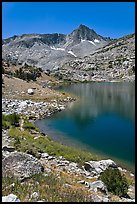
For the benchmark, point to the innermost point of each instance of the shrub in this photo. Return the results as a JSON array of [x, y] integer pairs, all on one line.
[[5, 124], [8, 120], [14, 119], [115, 182]]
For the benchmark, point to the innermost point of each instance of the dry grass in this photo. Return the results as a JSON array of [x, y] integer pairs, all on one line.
[[50, 188], [15, 88]]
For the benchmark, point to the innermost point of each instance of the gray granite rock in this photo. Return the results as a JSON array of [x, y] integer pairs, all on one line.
[[34, 195], [97, 185], [21, 165], [10, 198], [97, 198], [99, 166]]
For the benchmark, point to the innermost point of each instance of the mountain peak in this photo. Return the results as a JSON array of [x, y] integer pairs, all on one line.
[[81, 26], [84, 33]]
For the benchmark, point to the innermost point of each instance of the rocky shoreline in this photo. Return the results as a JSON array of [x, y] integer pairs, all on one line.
[[34, 110]]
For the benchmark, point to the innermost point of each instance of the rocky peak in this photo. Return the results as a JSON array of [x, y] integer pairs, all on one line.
[[85, 33]]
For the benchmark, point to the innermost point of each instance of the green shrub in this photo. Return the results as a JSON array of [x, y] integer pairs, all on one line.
[[115, 182], [8, 120], [30, 126], [14, 119], [5, 124]]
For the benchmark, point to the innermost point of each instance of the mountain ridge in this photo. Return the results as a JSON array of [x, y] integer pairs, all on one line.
[[55, 52]]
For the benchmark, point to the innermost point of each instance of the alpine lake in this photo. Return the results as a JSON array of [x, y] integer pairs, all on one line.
[[101, 120]]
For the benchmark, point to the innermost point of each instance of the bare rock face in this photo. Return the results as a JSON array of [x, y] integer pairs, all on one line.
[[98, 167], [21, 165], [10, 198]]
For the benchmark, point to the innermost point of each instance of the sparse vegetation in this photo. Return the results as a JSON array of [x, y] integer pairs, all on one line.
[[28, 73], [50, 188]]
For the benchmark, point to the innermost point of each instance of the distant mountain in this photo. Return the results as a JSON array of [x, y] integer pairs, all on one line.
[[83, 33], [50, 51]]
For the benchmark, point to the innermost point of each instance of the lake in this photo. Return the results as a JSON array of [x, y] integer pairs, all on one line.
[[101, 120]]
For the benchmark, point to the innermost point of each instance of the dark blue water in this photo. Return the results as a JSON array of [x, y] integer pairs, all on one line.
[[102, 120]]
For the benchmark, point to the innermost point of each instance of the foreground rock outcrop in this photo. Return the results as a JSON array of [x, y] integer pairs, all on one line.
[[21, 165]]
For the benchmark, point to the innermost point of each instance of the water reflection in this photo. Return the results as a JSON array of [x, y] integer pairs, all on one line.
[[98, 98]]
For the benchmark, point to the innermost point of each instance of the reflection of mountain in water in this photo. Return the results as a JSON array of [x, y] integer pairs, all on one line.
[[102, 98]]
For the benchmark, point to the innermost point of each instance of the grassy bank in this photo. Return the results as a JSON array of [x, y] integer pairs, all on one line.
[[34, 144]]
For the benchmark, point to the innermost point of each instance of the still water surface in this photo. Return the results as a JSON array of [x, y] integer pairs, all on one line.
[[102, 120]]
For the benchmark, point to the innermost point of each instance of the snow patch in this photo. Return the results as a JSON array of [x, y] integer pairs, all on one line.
[[54, 48], [96, 41], [83, 40], [70, 52], [91, 42]]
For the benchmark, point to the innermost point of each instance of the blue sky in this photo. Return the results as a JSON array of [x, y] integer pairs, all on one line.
[[109, 19]]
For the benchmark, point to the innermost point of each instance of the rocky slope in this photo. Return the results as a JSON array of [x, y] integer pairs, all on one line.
[[49, 51], [113, 62]]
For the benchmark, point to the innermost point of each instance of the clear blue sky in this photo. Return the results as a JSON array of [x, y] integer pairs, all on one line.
[[109, 19]]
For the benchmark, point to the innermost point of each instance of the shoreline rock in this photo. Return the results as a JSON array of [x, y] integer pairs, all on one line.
[[34, 110]]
